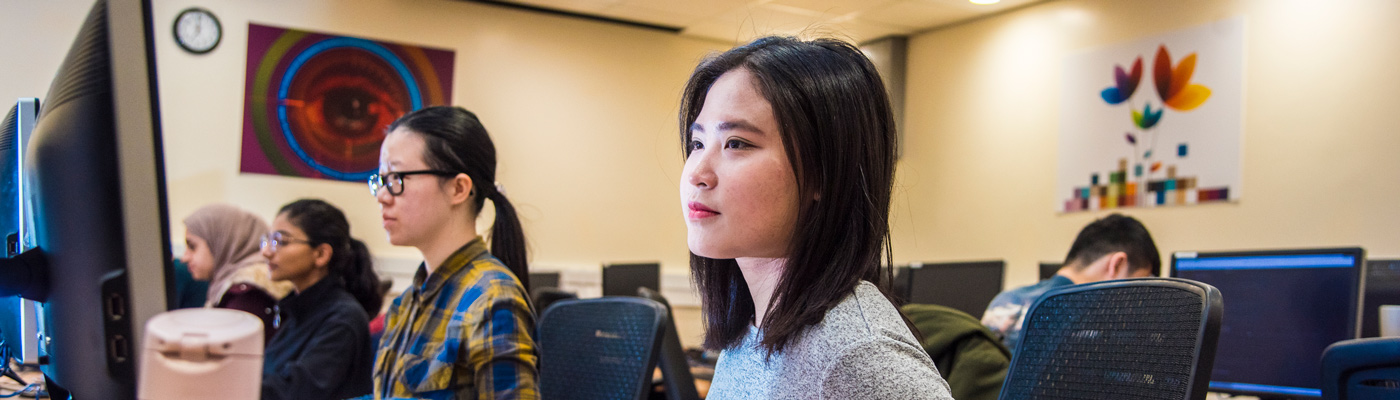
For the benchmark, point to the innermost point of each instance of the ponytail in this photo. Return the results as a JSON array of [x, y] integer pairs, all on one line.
[[508, 237], [356, 271], [455, 140], [350, 262]]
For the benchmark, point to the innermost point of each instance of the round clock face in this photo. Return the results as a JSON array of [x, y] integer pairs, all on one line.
[[197, 31]]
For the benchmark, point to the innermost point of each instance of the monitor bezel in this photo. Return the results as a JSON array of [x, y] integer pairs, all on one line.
[[1358, 269]]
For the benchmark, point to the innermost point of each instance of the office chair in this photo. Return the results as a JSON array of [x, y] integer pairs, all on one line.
[[675, 370], [1130, 338], [1361, 369], [603, 348]]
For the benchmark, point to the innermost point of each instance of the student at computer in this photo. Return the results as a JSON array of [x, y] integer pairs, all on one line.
[[1114, 247], [221, 247], [322, 349], [464, 328], [789, 162]]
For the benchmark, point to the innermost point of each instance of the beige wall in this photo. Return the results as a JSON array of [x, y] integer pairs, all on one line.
[[1320, 163], [582, 114]]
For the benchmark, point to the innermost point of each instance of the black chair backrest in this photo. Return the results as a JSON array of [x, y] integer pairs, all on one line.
[[603, 348], [1362, 369], [675, 370], [1131, 338]]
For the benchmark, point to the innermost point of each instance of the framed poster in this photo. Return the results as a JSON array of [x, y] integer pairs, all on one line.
[[316, 105], [1155, 122]]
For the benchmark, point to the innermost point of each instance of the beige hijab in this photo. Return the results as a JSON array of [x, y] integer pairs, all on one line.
[[233, 237]]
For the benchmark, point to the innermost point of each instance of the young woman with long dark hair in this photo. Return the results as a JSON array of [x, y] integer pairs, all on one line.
[[464, 328], [322, 348], [789, 165]]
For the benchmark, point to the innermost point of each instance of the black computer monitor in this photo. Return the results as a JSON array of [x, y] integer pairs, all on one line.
[[1048, 269], [543, 280], [94, 169], [900, 284], [966, 286], [1382, 287], [18, 316], [624, 279], [1282, 309]]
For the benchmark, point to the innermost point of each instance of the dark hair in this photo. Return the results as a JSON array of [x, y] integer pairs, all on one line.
[[350, 259], [838, 132], [1114, 233], [456, 141]]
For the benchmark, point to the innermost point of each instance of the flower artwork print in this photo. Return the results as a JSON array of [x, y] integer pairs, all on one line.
[[1165, 130], [316, 105]]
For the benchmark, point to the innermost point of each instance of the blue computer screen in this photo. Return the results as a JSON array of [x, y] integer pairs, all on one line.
[[1281, 311]]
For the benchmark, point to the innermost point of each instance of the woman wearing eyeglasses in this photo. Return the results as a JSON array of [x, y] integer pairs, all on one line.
[[463, 328], [322, 349], [221, 247]]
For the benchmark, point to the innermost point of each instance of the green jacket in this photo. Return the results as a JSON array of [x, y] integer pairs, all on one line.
[[968, 356]]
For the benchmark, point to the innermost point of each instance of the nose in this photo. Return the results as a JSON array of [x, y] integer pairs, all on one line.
[[699, 170], [267, 252], [383, 197]]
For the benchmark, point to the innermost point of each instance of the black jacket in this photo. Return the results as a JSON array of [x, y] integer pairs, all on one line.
[[322, 348]]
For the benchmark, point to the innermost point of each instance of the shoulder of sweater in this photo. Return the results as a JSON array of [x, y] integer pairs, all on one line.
[[864, 316]]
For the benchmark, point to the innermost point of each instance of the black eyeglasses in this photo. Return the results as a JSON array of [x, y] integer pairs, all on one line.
[[394, 180], [277, 239]]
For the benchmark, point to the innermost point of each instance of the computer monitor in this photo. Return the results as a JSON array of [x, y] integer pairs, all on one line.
[[1282, 309], [94, 170], [543, 280], [624, 279], [1049, 269], [18, 316], [900, 284], [966, 286], [1382, 287]]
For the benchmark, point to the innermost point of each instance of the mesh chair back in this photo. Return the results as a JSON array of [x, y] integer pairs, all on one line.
[[1148, 338], [675, 369], [603, 348], [1362, 369]]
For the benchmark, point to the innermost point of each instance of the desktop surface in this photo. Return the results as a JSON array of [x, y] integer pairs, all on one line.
[[1283, 309]]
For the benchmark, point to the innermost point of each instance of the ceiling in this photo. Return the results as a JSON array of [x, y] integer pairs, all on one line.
[[741, 20]]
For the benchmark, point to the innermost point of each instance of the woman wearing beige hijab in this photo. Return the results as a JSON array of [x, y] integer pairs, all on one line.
[[222, 246]]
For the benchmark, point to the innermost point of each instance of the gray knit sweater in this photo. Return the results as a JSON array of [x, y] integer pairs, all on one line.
[[860, 350]]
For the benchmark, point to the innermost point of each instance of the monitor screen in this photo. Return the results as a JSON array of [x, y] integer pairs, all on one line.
[[1049, 269], [540, 280], [1382, 288], [1282, 309], [965, 286], [900, 285], [624, 279]]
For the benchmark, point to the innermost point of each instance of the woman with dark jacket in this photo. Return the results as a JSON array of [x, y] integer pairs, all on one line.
[[322, 349]]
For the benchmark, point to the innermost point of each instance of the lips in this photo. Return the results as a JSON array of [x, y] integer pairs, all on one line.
[[697, 211]]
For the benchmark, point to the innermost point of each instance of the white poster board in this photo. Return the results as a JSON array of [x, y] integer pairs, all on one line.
[[1124, 144]]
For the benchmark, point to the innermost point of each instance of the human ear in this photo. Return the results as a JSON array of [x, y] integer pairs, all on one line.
[[462, 189], [322, 254], [1117, 267]]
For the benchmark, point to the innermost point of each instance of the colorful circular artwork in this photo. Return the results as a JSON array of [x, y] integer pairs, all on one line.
[[319, 104]]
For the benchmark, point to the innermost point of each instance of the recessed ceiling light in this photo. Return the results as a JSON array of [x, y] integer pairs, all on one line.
[[984, 1]]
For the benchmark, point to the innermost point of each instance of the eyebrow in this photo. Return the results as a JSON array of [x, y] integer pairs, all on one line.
[[733, 125]]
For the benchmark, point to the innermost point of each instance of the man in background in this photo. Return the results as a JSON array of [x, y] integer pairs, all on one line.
[[1114, 247]]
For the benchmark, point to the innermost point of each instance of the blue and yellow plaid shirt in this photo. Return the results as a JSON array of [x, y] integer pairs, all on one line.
[[463, 332]]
